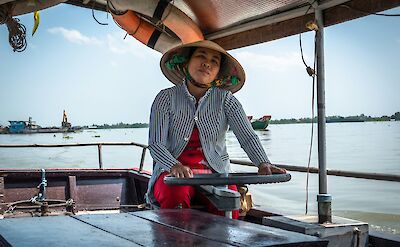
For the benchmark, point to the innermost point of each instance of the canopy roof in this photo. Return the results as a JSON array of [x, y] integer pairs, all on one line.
[[239, 23]]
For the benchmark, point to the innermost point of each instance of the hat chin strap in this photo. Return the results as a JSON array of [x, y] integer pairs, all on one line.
[[190, 79], [200, 85]]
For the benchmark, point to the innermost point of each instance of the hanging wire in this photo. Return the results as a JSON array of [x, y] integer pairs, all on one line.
[[94, 17], [310, 72], [312, 121], [113, 10], [17, 34], [369, 13], [16, 30]]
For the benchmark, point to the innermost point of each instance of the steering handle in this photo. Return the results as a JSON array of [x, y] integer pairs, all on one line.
[[228, 179]]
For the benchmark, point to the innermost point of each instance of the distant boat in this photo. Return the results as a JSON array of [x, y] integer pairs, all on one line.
[[30, 127], [344, 120], [261, 123]]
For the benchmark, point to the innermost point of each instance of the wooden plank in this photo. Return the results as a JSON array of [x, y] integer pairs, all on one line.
[[25, 189], [332, 16], [79, 172], [72, 191], [148, 228], [145, 232], [89, 191], [234, 232], [72, 188], [55, 231], [104, 193]]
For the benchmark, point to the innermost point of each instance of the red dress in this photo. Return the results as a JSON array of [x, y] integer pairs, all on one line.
[[170, 196]]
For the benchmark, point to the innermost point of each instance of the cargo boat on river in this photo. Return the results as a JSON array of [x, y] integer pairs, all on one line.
[[30, 127]]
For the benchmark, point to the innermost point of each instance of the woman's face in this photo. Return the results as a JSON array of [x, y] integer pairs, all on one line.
[[204, 65]]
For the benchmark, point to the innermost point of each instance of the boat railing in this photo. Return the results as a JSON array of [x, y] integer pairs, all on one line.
[[98, 144], [340, 173]]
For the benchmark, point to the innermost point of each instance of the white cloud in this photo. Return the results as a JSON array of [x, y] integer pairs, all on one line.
[[113, 64], [117, 44], [75, 36], [270, 62], [113, 42]]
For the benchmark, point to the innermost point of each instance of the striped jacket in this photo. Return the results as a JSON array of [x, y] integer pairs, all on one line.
[[173, 116]]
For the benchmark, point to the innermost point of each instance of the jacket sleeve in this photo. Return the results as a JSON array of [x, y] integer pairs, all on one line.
[[243, 130], [158, 131]]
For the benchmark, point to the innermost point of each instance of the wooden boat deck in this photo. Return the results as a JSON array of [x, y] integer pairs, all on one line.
[[121, 190], [172, 227]]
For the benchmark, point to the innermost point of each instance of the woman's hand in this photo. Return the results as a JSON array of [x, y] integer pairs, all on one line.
[[181, 171], [268, 169]]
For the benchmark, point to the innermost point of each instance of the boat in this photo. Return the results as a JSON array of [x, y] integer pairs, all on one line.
[[22, 127], [344, 120], [30, 127], [261, 123], [106, 207]]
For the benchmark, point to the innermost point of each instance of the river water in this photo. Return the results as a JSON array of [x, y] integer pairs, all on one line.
[[365, 147]]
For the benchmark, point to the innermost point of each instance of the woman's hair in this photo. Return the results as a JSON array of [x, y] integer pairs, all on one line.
[[191, 51]]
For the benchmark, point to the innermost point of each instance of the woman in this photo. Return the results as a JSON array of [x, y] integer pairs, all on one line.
[[188, 122]]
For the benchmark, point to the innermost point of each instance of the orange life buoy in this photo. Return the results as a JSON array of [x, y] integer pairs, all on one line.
[[172, 17], [145, 32]]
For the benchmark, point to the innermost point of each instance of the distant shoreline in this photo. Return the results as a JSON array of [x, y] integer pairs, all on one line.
[[117, 126], [340, 119], [329, 119], [280, 121]]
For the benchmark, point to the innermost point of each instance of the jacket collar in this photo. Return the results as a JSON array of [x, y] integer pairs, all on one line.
[[183, 87]]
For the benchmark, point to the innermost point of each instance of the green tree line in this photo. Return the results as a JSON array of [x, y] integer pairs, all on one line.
[[120, 125], [335, 119]]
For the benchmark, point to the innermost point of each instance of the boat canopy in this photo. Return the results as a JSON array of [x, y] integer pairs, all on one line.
[[234, 23]]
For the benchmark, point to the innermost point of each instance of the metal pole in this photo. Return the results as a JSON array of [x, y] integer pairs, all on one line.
[[100, 157], [323, 198], [142, 159]]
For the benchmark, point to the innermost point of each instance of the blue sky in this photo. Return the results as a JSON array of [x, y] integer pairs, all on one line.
[[75, 64]]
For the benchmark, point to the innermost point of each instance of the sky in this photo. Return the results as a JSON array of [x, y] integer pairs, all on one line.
[[72, 63]]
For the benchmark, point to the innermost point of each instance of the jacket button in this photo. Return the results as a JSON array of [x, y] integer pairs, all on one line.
[[186, 139], [196, 118]]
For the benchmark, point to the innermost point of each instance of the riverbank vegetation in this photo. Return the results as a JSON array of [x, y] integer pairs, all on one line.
[[118, 126], [338, 119], [329, 119]]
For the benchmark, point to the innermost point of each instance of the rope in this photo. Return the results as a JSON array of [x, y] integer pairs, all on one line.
[[312, 122], [17, 34], [310, 72], [16, 31], [37, 204]]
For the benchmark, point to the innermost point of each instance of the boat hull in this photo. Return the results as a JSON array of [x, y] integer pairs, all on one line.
[[260, 125], [120, 190]]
